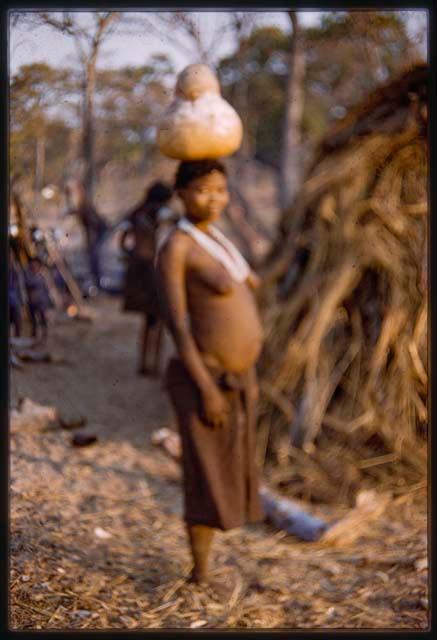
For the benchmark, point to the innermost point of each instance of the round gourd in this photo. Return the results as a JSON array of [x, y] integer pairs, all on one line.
[[195, 80], [199, 124]]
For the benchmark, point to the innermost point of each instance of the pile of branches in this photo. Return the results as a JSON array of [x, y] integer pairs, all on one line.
[[346, 348]]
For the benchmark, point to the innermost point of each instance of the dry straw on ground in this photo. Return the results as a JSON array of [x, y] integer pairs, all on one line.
[[97, 542]]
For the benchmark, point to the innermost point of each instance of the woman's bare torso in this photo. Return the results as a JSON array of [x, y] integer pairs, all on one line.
[[144, 244], [143, 232], [223, 315]]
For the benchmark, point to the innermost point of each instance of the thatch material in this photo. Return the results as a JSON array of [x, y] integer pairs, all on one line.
[[347, 341]]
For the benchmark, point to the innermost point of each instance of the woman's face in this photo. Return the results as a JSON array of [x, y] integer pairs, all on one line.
[[205, 198]]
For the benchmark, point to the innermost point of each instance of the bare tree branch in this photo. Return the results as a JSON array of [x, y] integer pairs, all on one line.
[[87, 41], [291, 167]]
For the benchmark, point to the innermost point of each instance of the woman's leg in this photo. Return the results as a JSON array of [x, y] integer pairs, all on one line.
[[184, 397], [150, 344], [200, 541], [94, 261], [43, 324], [157, 341], [32, 318], [15, 319], [144, 340]]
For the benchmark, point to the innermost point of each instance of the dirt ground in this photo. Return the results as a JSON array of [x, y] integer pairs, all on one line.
[[97, 540]]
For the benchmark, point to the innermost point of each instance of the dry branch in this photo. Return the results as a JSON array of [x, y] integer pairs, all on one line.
[[346, 336]]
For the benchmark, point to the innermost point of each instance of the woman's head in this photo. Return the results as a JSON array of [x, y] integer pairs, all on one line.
[[203, 188], [35, 264], [159, 193], [156, 196]]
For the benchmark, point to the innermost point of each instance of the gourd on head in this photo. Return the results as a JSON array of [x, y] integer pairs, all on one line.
[[199, 124], [195, 80]]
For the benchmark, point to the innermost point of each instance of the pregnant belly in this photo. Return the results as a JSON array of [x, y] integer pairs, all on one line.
[[228, 331]]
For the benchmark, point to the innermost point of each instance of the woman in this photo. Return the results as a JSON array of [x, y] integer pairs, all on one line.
[[140, 284], [205, 288]]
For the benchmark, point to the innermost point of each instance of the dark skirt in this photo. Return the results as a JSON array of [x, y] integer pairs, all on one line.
[[140, 289], [219, 468]]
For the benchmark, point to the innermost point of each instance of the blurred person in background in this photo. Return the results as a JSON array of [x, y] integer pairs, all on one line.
[[15, 294], [93, 223], [38, 297], [138, 242]]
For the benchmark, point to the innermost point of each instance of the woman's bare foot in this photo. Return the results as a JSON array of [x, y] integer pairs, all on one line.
[[197, 578], [223, 583]]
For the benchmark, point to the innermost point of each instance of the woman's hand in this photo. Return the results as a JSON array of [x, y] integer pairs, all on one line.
[[253, 280], [216, 408], [253, 390]]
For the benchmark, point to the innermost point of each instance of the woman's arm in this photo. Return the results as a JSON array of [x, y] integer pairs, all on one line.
[[123, 239], [171, 270]]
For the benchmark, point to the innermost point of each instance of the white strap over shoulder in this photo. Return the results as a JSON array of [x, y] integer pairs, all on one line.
[[218, 247]]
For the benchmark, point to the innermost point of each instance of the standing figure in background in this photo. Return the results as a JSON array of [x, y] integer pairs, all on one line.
[[94, 225], [62, 288], [15, 294], [140, 292], [206, 290], [20, 235], [38, 297]]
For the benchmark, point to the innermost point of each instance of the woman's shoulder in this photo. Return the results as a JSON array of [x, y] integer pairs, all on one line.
[[176, 244], [178, 238]]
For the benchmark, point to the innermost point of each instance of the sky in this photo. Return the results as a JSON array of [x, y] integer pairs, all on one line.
[[44, 45]]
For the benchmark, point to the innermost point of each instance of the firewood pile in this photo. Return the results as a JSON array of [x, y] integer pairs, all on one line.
[[345, 363]]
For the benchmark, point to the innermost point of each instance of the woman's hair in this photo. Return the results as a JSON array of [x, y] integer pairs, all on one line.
[[189, 171], [158, 192], [155, 197]]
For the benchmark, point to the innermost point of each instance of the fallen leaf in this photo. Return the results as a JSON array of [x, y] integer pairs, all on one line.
[[83, 439], [331, 613], [421, 564], [82, 613], [198, 623], [102, 534]]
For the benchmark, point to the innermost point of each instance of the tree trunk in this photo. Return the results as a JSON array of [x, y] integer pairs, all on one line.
[[88, 128], [146, 152], [245, 155], [241, 102], [40, 152], [291, 156]]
